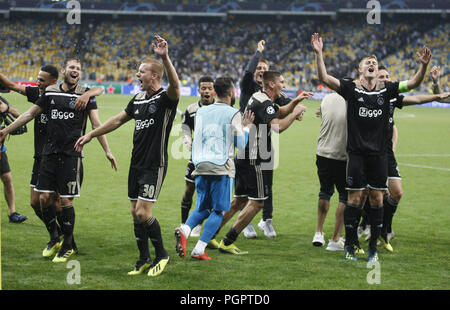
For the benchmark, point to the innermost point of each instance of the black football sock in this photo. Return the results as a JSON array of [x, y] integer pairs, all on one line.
[[38, 212], [376, 223], [142, 240], [59, 221], [230, 237], [387, 214], [49, 217], [68, 224], [393, 205], [154, 233], [185, 207], [267, 212], [365, 214], [352, 214]]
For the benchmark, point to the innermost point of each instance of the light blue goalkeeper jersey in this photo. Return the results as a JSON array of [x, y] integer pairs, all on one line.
[[218, 128]]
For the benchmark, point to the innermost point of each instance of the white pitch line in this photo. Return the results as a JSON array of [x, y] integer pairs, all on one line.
[[422, 155], [426, 167]]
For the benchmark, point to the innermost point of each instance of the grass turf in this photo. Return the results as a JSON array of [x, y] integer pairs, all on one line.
[[104, 230]]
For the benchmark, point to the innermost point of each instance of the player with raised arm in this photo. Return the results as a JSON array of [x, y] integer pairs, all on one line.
[[368, 111], [254, 170], [61, 169], [252, 82], [47, 76], [154, 110], [395, 192]]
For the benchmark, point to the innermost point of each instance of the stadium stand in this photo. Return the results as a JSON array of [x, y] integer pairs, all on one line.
[[111, 49]]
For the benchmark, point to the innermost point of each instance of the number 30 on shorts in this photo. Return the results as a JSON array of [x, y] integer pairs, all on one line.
[[149, 190]]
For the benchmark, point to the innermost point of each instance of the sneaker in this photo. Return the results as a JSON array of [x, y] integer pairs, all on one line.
[[232, 249], [63, 255], [141, 266], [373, 256], [181, 242], [319, 239], [334, 246], [51, 249], [349, 254], [384, 241], [213, 244], [196, 231], [342, 241], [390, 236], [17, 218], [250, 232], [261, 225], [269, 232], [358, 249], [203, 256], [158, 266]]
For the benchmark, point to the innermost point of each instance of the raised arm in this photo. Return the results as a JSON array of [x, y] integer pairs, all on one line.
[[11, 85], [330, 81], [424, 58], [162, 50], [252, 64]]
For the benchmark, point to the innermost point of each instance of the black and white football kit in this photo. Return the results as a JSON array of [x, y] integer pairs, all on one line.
[[153, 116], [40, 132], [254, 167], [61, 168], [368, 113]]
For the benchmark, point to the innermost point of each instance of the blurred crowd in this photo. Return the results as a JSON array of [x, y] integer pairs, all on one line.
[[111, 50]]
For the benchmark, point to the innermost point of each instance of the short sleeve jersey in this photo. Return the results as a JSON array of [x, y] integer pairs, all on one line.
[[65, 124], [153, 116], [259, 147], [40, 122], [368, 113]]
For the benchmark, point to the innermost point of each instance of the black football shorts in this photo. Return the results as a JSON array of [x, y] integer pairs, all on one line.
[[366, 171], [59, 173], [145, 184], [331, 174], [252, 182]]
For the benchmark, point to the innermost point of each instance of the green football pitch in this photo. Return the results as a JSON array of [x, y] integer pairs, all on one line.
[[107, 247]]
